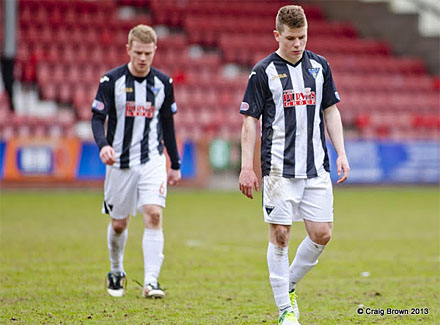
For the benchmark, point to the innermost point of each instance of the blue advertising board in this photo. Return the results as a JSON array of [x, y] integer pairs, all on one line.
[[371, 161], [376, 162]]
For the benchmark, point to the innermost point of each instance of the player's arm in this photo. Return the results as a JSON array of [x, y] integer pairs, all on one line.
[[106, 152], [333, 124], [169, 139], [251, 108], [168, 110], [100, 109], [248, 180]]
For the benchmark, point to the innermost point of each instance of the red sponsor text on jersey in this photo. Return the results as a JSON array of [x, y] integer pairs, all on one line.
[[292, 99], [131, 109]]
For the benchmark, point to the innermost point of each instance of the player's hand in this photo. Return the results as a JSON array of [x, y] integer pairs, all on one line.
[[247, 182], [174, 176], [107, 155], [343, 166]]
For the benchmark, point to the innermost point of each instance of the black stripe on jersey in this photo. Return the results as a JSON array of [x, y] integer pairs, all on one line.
[[289, 123], [160, 136], [151, 99], [111, 124], [310, 82], [267, 135], [326, 163], [129, 121]]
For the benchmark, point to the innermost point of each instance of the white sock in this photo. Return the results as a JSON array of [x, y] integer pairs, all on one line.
[[116, 244], [152, 245], [305, 259], [278, 263]]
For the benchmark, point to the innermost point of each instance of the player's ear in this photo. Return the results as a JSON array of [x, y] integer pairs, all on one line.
[[127, 47], [276, 34]]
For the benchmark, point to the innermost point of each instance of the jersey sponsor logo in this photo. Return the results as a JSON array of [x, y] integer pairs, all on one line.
[[292, 98], [279, 76], [314, 72], [269, 209], [252, 73], [244, 107], [104, 79], [131, 109], [98, 105]]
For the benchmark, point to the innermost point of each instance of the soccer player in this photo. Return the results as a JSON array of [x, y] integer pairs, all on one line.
[[293, 91], [138, 101]]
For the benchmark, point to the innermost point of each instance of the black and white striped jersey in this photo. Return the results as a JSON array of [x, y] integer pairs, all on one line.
[[135, 108], [291, 99]]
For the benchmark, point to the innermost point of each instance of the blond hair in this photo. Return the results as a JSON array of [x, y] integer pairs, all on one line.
[[292, 16], [142, 33]]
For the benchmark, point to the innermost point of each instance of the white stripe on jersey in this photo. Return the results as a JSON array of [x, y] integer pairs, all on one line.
[[140, 92], [120, 101], [317, 145], [301, 123], [278, 125]]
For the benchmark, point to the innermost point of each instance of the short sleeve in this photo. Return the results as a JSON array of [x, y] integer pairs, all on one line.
[[169, 106], [104, 97], [254, 97], [330, 95]]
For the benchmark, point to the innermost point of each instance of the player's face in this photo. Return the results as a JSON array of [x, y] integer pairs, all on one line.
[[292, 43], [141, 57]]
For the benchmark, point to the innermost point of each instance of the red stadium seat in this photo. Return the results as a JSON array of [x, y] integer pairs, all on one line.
[[66, 46]]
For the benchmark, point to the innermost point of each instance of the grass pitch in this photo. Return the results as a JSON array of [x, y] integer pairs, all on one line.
[[53, 261]]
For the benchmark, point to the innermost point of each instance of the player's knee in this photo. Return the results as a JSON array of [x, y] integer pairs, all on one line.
[[154, 219], [321, 237], [282, 236], [119, 225]]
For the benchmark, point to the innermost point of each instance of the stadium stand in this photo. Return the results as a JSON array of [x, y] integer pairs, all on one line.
[[65, 46]]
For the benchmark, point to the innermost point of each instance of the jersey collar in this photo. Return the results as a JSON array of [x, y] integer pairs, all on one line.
[[290, 63]]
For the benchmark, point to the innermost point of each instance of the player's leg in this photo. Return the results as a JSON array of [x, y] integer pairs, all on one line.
[[152, 191], [316, 208], [152, 246], [308, 252], [119, 191], [279, 202], [116, 239], [278, 264]]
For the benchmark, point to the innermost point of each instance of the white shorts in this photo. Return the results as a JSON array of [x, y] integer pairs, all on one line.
[[127, 190], [294, 199]]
